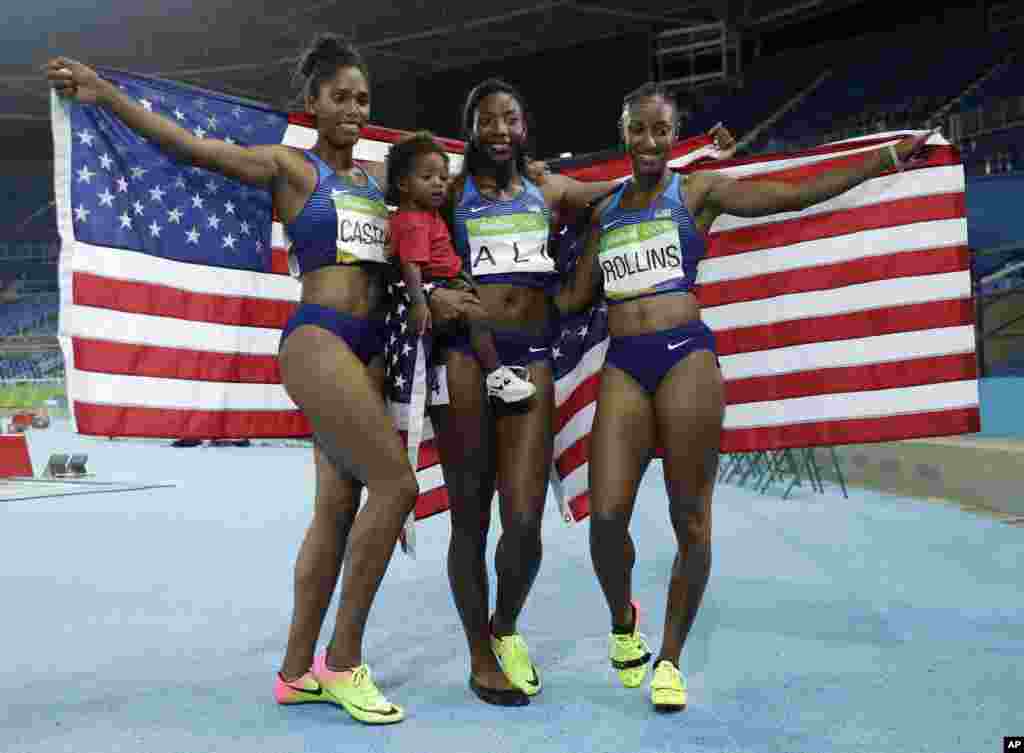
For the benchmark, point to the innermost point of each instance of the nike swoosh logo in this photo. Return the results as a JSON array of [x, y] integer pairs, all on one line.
[[474, 210], [679, 344], [537, 350], [389, 712], [610, 224], [318, 691]]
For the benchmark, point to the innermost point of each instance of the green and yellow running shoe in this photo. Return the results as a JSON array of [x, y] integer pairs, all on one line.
[[629, 653], [514, 658], [354, 691], [668, 687]]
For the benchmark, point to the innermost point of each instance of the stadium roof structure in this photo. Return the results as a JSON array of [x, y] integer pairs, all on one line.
[[249, 47]]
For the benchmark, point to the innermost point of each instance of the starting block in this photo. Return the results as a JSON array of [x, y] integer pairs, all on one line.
[[61, 465]]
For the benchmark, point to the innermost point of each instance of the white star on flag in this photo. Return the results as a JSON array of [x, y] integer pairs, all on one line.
[[126, 221], [193, 235], [106, 161], [106, 198], [81, 213], [174, 216], [85, 175]]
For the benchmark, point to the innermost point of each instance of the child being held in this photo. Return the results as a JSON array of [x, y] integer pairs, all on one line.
[[417, 170]]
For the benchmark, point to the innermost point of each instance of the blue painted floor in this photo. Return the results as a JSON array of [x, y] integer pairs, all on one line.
[[154, 621]]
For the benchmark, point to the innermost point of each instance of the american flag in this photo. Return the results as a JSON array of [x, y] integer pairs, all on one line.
[[174, 280], [849, 322]]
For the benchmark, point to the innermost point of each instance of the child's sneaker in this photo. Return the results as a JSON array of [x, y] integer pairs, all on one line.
[[505, 383]]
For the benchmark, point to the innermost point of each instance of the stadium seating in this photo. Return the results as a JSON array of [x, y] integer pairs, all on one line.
[[889, 81]]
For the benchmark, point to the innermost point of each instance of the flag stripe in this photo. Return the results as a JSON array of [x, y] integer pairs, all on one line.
[[161, 331], [173, 302], [910, 263], [868, 296], [120, 264], [930, 370], [878, 321], [883, 219], [848, 405], [173, 363], [181, 394], [938, 423], [118, 419], [849, 352], [583, 395], [925, 183]]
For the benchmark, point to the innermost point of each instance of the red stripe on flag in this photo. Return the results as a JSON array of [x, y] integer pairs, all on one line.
[[579, 506], [432, 502], [908, 373], [948, 206], [279, 261], [880, 321], [172, 423], [585, 394], [854, 431], [173, 363], [175, 303], [574, 456], [428, 455], [928, 261]]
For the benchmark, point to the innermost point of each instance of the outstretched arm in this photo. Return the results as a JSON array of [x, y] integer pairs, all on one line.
[[258, 165], [757, 198]]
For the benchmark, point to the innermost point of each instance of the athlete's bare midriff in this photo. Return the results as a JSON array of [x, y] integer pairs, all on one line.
[[514, 307], [357, 290], [646, 315]]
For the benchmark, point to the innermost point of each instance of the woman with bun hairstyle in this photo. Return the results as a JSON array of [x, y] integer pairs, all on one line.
[[330, 355]]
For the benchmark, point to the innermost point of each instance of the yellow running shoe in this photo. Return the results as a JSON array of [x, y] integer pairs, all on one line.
[[514, 658], [629, 653], [668, 687], [354, 691]]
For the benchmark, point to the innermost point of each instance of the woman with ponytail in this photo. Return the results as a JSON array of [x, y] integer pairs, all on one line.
[[330, 355]]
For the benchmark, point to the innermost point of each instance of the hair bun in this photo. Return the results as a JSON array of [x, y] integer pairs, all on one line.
[[326, 47]]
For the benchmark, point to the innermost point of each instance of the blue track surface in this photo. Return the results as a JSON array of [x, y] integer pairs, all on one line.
[[154, 622]]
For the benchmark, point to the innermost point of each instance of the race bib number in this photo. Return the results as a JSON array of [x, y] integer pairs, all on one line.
[[642, 258], [509, 244], [362, 230]]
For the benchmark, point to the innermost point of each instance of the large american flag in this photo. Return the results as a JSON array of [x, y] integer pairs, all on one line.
[[850, 322]]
